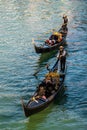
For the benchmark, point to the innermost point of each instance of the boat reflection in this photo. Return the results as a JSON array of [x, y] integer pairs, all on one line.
[[37, 120], [44, 57]]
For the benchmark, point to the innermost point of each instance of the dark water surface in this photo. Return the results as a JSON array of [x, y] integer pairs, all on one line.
[[20, 21]]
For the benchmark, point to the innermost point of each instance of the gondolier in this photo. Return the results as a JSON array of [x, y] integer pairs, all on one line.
[[65, 19], [36, 105], [62, 58]]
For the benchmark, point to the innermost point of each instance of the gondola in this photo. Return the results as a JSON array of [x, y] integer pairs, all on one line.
[[43, 47], [33, 107]]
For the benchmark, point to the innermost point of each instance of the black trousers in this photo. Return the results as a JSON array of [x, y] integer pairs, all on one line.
[[62, 63]]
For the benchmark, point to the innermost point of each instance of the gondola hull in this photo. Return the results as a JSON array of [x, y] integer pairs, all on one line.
[[34, 107], [47, 48]]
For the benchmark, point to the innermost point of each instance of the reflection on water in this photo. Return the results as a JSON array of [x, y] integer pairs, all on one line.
[[36, 120]]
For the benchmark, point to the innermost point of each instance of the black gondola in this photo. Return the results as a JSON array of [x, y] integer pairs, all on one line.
[[42, 48], [33, 107]]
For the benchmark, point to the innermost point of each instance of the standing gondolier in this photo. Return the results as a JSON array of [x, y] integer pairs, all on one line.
[[62, 58], [65, 19]]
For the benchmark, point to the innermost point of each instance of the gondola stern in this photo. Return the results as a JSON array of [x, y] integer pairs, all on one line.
[[26, 112]]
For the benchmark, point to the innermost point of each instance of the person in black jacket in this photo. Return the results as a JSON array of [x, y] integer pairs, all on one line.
[[65, 19], [62, 58]]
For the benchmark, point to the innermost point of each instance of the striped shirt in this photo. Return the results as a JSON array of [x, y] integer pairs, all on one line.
[[63, 53]]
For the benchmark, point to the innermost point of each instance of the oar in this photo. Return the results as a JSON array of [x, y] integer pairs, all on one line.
[[39, 70], [47, 66], [55, 65]]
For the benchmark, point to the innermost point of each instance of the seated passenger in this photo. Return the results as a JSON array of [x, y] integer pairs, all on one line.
[[50, 86], [40, 93], [54, 38], [50, 42], [54, 79], [48, 79], [57, 36], [60, 37]]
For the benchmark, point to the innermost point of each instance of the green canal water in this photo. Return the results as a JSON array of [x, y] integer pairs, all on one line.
[[20, 22]]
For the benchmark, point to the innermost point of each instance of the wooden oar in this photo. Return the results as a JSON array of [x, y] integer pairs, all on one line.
[[56, 64], [39, 70], [47, 66]]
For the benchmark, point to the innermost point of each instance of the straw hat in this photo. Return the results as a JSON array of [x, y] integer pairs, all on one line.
[[61, 47]]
